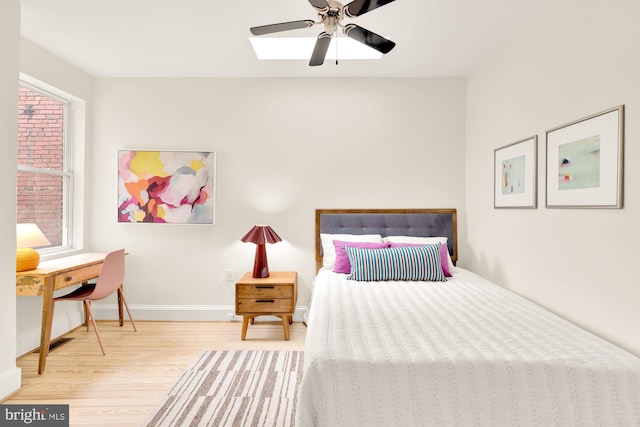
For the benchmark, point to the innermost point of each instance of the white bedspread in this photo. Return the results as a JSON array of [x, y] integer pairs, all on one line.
[[462, 353]]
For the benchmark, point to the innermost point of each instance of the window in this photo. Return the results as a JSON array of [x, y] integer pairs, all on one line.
[[45, 179]]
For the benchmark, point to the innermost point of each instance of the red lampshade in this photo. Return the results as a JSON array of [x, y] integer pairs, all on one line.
[[261, 234]]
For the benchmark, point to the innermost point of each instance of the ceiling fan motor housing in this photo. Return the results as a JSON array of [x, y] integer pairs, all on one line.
[[332, 17]]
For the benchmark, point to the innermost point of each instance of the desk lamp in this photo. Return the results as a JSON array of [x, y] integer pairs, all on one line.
[[261, 234], [28, 236]]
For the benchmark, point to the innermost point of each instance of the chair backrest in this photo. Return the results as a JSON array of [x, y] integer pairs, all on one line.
[[111, 275]]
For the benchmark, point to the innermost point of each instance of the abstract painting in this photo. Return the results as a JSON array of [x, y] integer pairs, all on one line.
[[175, 187], [579, 164], [585, 162], [515, 174]]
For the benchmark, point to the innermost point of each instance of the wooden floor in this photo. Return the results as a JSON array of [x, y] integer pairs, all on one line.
[[123, 387]]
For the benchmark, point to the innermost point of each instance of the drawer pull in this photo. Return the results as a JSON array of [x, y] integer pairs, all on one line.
[[265, 287], [266, 300], [68, 278]]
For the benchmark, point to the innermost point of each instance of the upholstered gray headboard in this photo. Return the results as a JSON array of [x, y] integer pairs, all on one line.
[[388, 222]]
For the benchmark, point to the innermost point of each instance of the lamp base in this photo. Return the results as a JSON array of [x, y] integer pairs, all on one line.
[[260, 265], [27, 259]]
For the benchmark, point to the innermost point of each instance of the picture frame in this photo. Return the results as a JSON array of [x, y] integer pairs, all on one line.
[[170, 186], [515, 174], [585, 162]]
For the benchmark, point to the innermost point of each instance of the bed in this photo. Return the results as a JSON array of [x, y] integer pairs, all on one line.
[[459, 352]]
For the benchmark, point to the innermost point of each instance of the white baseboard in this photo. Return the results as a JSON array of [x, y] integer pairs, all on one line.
[[10, 382], [213, 313], [28, 340]]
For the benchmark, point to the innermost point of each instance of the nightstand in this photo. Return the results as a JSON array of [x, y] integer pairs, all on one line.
[[275, 295]]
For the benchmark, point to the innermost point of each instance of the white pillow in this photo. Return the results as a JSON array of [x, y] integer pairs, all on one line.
[[329, 250], [420, 241]]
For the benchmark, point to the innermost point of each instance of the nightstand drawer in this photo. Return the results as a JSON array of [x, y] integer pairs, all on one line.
[[264, 305], [265, 291]]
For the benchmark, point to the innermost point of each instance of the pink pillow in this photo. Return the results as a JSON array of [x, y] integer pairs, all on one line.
[[444, 254], [342, 264]]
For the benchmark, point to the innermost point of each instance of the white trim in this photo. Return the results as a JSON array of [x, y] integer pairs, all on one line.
[[10, 382], [74, 173], [217, 313]]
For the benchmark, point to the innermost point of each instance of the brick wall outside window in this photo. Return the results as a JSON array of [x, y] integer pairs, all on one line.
[[40, 145]]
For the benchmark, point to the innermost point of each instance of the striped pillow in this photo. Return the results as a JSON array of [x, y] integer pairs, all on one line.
[[416, 263]]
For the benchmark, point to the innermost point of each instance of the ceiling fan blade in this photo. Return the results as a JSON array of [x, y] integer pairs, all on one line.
[[360, 7], [283, 26], [369, 38], [320, 49], [319, 4]]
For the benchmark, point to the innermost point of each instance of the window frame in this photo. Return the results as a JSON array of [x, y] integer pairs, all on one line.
[[74, 114]]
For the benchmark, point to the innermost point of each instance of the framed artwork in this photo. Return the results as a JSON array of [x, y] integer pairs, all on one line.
[[175, 187], [585, 162], [515, 171]]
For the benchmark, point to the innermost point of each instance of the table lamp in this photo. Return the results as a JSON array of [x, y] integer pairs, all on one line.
[[261, 234], [28, 236]]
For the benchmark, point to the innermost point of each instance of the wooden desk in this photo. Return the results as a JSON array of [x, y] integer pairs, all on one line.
[[51, 276]]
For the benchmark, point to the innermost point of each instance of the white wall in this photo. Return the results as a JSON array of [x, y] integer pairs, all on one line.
[[570, 60], [285, 147], [10, 48]]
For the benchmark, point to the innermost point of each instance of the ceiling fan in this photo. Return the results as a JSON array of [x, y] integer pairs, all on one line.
[[331, 13]]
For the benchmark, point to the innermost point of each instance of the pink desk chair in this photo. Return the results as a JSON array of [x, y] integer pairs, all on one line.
[[109, 281]]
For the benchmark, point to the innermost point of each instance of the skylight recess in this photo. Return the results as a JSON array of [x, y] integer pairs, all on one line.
[[302, 47]]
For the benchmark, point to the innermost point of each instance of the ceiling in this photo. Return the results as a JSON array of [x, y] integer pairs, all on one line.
[[210, 38]]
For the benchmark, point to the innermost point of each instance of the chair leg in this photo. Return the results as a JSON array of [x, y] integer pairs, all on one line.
[[95, 327], [121, 295]]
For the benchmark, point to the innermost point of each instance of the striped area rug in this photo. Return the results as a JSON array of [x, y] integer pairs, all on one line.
[[234, 388]]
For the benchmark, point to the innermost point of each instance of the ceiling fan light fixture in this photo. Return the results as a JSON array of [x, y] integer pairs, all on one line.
[[301, 47]]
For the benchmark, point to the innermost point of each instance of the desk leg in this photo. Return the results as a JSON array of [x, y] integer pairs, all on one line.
[[47, 320], [120, 313], [86, 316], [85, 312]]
